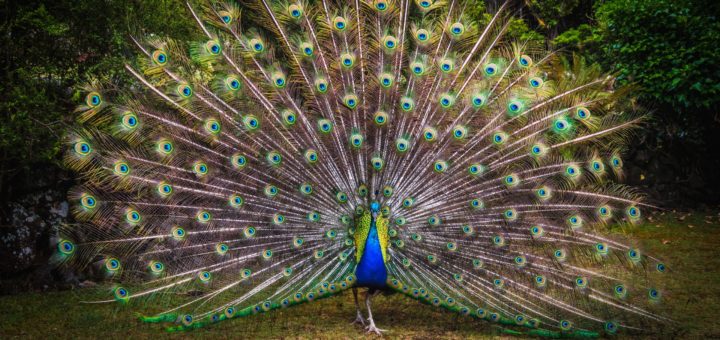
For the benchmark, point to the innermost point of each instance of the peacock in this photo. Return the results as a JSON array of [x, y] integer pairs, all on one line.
[[388, 146]]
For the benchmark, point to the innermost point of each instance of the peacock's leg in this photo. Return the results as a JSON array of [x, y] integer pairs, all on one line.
[[371, 326], [359, 318]]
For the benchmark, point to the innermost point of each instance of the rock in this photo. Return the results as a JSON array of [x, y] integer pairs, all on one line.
[[26, 231]]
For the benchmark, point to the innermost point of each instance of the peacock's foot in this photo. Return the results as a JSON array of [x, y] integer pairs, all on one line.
[[371, 328], [359, 320]]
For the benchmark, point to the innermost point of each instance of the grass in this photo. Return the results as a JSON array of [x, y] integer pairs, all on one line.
[[688, 243]]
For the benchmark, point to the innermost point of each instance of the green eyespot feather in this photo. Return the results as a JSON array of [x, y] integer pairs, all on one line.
[[377, 163], [324, 125], [350, 101], [256, 45], [129, 120], [385, 79], [429, 133], [159, 57], [407, 104], [380, 118], [402, 144], [289, 117], [295, 11], [339, 24], [93, 99], [389, 42], [82, 148]]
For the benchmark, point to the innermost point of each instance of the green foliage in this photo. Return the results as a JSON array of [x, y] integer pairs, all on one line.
[[551, 12], [520, 30], [669, 47], [584, 38], [517, 29], [49, 50]]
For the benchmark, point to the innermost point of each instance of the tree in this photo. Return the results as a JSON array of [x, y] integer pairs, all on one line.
[[669, 48], [50, 48]]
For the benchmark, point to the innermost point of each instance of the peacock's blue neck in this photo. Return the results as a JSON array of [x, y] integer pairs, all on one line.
[[370, 272]]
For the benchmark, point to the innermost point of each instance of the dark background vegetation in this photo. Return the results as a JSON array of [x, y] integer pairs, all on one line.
[[668, 48]]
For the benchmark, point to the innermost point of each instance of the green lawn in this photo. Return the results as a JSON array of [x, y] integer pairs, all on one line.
[[688, 244]]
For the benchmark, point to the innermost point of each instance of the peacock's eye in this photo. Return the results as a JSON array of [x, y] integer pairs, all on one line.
[[407, 104], [425, 3], [402, 144], [324, 125], [390, 42], [350, 101], [478, 100], [274, 158], [457, 29], [377, 163], [447, 100], [93, 99], [159, 57], [440, 166], [491, 69], [271, 190], [212, 126], [561, 125], [422, 35], [499, 138], [430, 134], [536, 82], [225, 16], [112, 264], [524, 61], [381, 5], [386, 80], [256, 45], [447, 65], [66, 247], [295, 11], [185, 91], [339, 23], [232, 83], [212, 47], [251, 122], [278, 79], [582, 113], [514, 107], [203, 216]]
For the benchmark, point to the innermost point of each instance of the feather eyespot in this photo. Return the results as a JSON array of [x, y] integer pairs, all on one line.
[[159, 57], [93, 99], [407, 104], [66, 247], [339, 23], [295, 11]]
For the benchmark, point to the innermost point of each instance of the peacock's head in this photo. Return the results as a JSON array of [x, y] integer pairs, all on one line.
[[375, 207]]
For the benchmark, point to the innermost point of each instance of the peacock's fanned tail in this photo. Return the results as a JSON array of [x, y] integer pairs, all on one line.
[[227, 180]]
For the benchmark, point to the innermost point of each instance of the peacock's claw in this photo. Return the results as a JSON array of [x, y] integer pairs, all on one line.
[[358, 320], [373, 329]]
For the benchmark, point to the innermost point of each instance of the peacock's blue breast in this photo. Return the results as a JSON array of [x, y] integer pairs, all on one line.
[[370, 272]]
